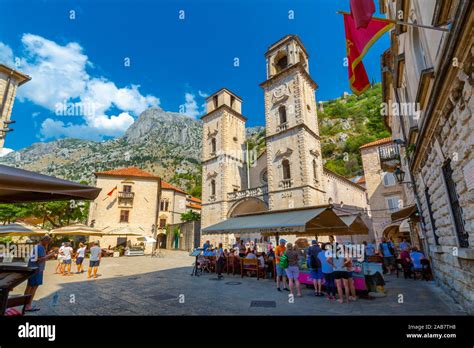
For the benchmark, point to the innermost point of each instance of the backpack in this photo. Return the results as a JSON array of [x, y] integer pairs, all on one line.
[[283, 261], [314, 261]]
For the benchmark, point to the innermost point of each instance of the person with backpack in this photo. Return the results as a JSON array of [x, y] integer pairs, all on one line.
[[388, 253], [315, 267], [292, 269], [328, 271]]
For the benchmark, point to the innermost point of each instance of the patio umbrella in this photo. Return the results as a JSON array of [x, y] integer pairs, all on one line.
[[77, 230], [146, 239], [18, 185], [20, 229], [123, 231]]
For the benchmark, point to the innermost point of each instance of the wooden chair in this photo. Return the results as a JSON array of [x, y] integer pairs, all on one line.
[[232, 263], [251, 265], [203, 264], [212, 263]]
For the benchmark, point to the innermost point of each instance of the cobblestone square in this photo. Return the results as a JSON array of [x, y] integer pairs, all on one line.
[[143, 285]]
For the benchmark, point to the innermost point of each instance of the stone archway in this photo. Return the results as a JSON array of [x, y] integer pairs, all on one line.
[[246, 206]]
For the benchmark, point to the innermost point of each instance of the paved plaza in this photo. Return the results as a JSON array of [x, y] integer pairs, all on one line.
[[142, 285]]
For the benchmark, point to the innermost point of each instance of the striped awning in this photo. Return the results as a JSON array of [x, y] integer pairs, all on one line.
[[321, 220]]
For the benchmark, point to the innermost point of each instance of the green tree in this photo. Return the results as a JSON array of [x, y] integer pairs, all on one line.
[[190, 216], [11, 212]]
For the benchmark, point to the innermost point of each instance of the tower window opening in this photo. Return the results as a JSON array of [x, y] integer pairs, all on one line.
[[232, 101], [213, 145], [281, 63], [315, 170], [286, 169], [215, 101], [282, 114], [213, 187]]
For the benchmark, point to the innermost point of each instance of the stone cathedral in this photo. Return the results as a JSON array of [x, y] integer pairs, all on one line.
[[290, 173]]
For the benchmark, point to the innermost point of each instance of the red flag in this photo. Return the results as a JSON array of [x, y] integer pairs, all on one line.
[[111, 192], [362, 11], [358, 42]]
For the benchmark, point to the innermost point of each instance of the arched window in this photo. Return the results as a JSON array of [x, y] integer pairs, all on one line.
[[213, 145], [282, 114], [213, 187], [264, 176], [330, 200], [286, 169], [315, 170]]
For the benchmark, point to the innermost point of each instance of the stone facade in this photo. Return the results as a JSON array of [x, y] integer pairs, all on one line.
[[10, 80], [385, 194], [290, 173], [139, 202], [433, 70]]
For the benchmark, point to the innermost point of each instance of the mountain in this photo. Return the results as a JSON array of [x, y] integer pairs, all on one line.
[[168, 144], [164, 143], [345, 124]]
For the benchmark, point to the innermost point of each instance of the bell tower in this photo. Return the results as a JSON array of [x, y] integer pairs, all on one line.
[[223, 157], [294, 161]]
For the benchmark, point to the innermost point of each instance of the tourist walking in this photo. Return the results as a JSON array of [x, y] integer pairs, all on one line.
[[339, 263], [80, 255], [350, 280], [388, 254], [403, 245], [328, 272], [67, 259], [220, 261], [59, 266], [37, 259], [94, 261], [293, 271], [280, 272], [315, 267]]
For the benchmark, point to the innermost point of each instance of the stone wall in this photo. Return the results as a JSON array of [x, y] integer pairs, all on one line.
[[453, 266]]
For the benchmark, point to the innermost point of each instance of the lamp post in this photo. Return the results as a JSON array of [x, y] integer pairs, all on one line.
[[400, 176]]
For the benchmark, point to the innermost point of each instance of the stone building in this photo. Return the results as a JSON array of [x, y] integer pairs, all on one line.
[[427, 86], [136, 202], [289, 174], [10, 80], [385, 194]]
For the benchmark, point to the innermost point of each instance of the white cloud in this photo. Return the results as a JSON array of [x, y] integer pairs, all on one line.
[[60, 77], [6, 55], [203, 94], [191, 108], [5, 151]]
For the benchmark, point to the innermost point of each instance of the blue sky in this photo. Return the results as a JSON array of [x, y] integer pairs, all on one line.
[[173, 62]]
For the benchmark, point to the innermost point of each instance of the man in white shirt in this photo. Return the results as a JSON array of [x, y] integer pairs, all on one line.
[[67, 258], [80, 255], [59, 267]]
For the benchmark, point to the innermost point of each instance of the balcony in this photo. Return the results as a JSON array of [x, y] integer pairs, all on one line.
[[282, 127], [389, 157], [286, 183], [126, 195], [253, 192], [125, 199]]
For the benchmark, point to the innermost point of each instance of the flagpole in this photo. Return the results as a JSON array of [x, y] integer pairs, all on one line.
[[403, 23]]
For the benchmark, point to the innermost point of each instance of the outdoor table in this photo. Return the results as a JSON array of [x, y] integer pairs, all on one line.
[[12, 275]]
